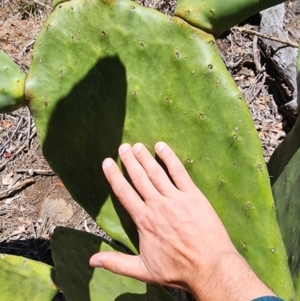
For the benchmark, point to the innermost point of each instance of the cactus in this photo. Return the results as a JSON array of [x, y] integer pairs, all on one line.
[[105, 94], [23, 279], [215, 16], [78, 281], [298, 77], [12, 81], [97, 82], [285, 175]]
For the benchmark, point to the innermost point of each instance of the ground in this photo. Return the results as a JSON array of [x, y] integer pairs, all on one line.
[[31, 196]]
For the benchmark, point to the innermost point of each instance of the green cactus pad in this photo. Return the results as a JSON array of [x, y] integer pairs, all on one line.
[[107, 72], [285, 176], [12, 81], [217, 16], [56, 2], [71, 251], [298, 76], [23, 279]]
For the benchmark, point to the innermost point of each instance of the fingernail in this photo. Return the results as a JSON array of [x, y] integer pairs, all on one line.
[[137, 148], [159, 146], [97, 264], [94, 262], [124, 148], [107, 163]]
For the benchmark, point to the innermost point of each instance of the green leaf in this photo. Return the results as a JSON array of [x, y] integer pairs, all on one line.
[[107, 72], [23, 279], [12, 81], [71, 251], [215, 16], [284, 169], [298, 76]]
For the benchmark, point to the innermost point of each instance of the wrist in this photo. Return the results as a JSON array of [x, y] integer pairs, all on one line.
[[268, 298], [229, 278]]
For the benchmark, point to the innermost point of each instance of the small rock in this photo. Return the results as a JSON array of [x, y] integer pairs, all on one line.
[[281, 135], [8, 179], [57, 210]]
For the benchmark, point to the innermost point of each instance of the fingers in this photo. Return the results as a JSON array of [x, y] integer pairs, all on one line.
[[176, 169], [146, 174], [154, 171], [122, 189], [122, 264], [137, 173]]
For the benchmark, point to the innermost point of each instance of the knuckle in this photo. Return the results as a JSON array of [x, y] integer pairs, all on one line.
[[177, 171], [144, 222], [113, 267], [121, 191], [137, 177], [154, 173]]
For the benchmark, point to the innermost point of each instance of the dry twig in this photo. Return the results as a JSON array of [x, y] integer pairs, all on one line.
[[266, 36], [13, 134], [31, 172], [6, 193], [28, 128], [2, 166], [256, 57], [42, 4], [256, 93]]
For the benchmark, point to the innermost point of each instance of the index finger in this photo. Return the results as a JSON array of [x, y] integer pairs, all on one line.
[[127, 196]]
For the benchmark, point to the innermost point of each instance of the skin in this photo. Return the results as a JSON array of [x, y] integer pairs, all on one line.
[[182, 241]]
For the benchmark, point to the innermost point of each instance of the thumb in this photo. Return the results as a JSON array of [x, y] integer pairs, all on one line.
[[122, 264]]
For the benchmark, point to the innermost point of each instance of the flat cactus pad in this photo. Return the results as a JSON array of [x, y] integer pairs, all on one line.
[[107, 72]]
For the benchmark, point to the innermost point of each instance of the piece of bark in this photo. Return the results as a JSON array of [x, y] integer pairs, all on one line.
[[296, 7], [283, 57]]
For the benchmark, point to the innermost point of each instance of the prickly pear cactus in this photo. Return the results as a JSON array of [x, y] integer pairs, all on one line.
[[12, 81], [107, 72], [285, 176], [284, 172], [23, 279], [216, 16], [298, 76], [78, 281]]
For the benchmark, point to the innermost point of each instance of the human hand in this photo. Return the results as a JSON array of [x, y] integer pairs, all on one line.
[[182, 241]]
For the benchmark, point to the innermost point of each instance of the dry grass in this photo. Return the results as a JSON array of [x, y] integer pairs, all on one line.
[[27, 9]]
